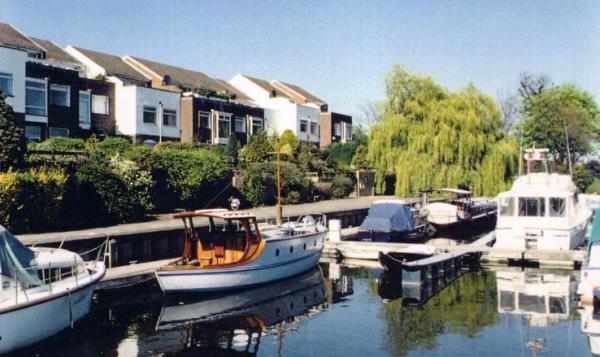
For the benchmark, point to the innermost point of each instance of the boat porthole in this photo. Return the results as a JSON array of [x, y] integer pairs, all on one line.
[[314, 243], [305, 300], [291, 250], [277, 252], [304, 246]]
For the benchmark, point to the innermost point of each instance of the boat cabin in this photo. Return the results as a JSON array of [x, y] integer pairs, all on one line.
[[231, 238]]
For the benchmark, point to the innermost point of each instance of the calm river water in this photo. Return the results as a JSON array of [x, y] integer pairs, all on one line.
[[340, 311]]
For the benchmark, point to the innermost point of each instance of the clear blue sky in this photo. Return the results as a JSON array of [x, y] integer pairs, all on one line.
[[339, 50]]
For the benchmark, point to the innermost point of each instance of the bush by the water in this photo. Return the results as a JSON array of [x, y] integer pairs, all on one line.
[[30, 201], [260, 184], [342, 186]]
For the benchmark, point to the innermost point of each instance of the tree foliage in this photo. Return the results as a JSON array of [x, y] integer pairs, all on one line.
[[548, 114], [259, 148], [430, 137], [12, 138]]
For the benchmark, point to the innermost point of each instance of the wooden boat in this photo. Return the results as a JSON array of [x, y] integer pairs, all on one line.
[[234, 252], [460, 210], [43, 291], [393, 221]]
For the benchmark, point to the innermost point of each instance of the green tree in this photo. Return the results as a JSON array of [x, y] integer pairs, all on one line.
[[288, 137], [259, 149], [360, 159], [12, 139], [429, 137], [548, 114]]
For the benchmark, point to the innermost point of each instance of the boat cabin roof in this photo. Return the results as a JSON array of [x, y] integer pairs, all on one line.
[[542, 185], [221, 213]]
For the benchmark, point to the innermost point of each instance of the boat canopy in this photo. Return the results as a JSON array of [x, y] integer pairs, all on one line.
[[17, 261], [389, 216]]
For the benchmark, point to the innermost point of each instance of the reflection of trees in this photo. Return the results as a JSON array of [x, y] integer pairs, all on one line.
[[465, 307]]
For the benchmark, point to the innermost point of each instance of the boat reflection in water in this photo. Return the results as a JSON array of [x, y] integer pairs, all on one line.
[[235, 323], [541, 298]]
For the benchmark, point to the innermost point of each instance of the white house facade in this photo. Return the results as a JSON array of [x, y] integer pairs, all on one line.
[[12, 77], [141, 112], [281, 111]]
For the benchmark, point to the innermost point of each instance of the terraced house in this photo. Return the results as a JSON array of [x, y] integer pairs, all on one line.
[[212, 110], [145, 113], [46, 88]]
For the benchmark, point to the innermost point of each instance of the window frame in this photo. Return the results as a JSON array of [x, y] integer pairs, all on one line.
[[314, 126], [58, 136], [63, 88], [254, 121], [39, 130], [305, 123], [242, 120], [348, 131], [171, 112], [223, 117], [540, 207], [9, 78], [105, 104], [149, 109], [510, 207], [204, 114], [554, 213], [337, 132], [44, 90], [82, 94]]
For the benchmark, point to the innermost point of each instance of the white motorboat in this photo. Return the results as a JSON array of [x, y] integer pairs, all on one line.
[[44, 290], [232, 252], [460, 209], [541, 211]]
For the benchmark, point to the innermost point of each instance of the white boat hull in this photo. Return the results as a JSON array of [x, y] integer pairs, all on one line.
[[543, 239], [33, 323], [296, 255]]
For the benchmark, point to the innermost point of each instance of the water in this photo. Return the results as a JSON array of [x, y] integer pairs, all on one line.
[[338, 311]]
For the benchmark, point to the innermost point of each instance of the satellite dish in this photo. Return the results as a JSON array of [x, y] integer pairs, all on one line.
[[167, 80]]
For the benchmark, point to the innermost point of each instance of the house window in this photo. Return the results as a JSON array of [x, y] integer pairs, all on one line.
[[348, 132], [35, 97], [33, 133], [337, 129], [314, 129], [169, 117], [240, 124], [149, 115], [6, 83], [303, 126], [84, 107], [60, 95], [100, 104], [224, 126], [257, 124], [204, 120], [59, 132]]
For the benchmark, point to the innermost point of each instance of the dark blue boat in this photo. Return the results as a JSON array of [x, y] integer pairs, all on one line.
[[392, 221]]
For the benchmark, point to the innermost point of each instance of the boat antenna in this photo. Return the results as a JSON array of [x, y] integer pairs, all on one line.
[[568, 150]]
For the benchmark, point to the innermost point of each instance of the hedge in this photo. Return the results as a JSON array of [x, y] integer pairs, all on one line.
[[31, 201]]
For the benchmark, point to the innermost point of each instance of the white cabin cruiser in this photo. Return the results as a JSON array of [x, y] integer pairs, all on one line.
[[44, 290], [234, 253], [541, 211]]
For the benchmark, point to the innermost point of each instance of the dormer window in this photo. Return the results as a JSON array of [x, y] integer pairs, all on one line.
[[273, 94]]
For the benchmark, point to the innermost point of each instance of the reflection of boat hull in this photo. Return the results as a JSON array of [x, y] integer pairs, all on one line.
[[270, 303], [39, 320], [280, 259], [392, 236]]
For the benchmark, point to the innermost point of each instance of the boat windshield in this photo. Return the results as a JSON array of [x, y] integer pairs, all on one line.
[[532, 206], [507, 206], [17, 262]]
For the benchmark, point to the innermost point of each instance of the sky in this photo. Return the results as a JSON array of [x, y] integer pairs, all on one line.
[[338, 50]]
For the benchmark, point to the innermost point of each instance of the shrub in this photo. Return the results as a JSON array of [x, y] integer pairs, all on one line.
[[30, 201], [582, 177], [192, 178], [112, 191], [113, 145], [260, 183], [12, 138], [259, 149], [594, 187], [342, 186], [60, 144], [174, 145], [342, 153], [293, 197]]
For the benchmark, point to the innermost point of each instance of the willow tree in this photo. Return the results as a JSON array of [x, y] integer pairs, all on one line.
[[431, 137]]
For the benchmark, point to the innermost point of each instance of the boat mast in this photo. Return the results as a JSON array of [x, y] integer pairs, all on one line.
[[568, 151], [279, 208]]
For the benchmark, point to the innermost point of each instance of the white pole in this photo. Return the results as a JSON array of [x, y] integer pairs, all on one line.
[[160, 122]]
